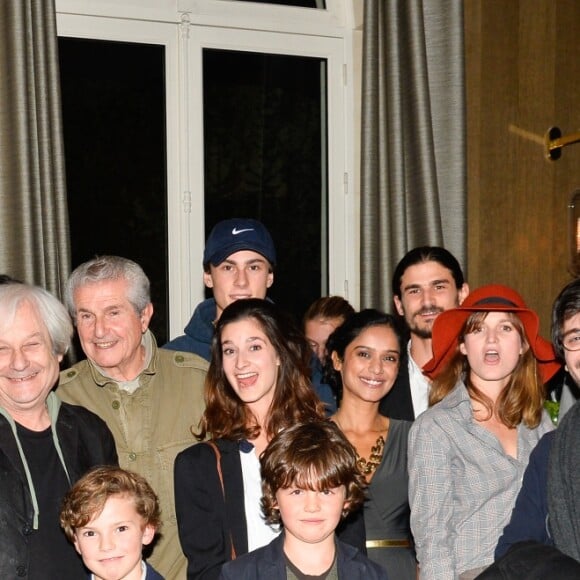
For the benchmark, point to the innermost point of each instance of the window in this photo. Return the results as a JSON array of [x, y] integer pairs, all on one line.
[[194, 45], [273, 150], [265, 157], [113, 102]]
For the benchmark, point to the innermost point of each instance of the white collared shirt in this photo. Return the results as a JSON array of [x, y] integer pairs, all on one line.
[[419, 385]]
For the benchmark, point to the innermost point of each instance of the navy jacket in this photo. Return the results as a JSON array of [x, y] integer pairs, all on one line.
[[152, 574], [529, 520], [198, 332], [206, 522], [268, 563]]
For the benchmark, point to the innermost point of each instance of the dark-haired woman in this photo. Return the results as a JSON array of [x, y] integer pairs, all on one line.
[[364, 361], [257, 384]]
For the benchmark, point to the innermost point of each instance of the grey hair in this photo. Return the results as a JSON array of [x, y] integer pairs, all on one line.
[[49, 309], [104, 268]]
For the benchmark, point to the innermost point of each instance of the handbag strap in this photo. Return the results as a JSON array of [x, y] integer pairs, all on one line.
[[218, 456]]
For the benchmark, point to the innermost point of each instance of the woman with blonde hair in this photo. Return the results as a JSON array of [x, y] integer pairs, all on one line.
[[257, 385], [468, 451]]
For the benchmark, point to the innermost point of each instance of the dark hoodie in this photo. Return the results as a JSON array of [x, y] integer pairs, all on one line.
[[198, 332]]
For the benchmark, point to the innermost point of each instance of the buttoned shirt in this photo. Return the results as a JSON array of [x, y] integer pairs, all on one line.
[[462, 486], [419, 385]]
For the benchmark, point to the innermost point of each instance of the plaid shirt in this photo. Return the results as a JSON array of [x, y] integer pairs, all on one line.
[[462, 486]]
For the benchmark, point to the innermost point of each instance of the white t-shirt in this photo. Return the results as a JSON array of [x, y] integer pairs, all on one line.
[[259, 532]]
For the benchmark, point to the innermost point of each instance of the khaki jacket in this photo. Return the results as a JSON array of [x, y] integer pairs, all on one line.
[[150, 427]]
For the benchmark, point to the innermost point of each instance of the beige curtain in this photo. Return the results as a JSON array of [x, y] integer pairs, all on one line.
[[34, 242], [413, 164]]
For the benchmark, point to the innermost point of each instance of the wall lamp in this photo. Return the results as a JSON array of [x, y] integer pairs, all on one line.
[[554, 142]]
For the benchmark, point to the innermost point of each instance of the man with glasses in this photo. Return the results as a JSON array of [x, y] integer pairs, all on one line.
[[566, 339]]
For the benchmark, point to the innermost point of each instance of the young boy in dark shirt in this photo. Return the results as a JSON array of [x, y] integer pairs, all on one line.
[[309, 482]]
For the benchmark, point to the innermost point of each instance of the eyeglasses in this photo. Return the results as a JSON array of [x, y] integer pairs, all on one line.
[[571, 341]]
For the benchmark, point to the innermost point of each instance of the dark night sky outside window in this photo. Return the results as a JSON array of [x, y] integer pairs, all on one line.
[[265, 158], [113, 100]]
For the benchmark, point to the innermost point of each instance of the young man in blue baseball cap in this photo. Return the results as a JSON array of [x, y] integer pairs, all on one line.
[[238, 262]]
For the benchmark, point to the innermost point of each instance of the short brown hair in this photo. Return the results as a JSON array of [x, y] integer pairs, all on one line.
[[86, 499], [314, 455], [328, 307]]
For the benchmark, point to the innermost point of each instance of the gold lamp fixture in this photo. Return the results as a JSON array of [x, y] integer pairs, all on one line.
[[554, 142]]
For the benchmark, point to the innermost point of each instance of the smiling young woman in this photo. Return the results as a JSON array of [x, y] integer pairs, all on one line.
[[365, 354], [257, 385]]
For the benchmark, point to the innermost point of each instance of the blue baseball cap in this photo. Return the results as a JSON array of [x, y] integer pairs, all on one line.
[[233, 235]]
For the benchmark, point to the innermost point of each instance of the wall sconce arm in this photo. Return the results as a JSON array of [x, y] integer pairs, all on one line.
[[554, 142]]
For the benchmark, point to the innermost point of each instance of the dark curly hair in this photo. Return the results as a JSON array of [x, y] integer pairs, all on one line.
[[566, 305], [352, 327]]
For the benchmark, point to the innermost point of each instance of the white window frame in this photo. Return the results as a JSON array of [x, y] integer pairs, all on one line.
[[185, 28]]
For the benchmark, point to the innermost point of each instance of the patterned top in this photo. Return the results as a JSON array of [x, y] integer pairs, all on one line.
[[462, 486]]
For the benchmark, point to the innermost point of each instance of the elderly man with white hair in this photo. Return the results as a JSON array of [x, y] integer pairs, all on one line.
[[45, 445]]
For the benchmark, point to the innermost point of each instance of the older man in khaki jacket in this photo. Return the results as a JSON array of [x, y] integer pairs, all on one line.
[[150, 398]]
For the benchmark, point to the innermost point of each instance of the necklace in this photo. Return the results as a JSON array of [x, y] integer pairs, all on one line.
[[368, 466]]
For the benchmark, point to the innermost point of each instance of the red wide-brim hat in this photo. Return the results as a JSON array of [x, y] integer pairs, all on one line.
[[491, 298]]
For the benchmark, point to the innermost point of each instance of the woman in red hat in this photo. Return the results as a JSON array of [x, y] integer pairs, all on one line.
[[468, 451]]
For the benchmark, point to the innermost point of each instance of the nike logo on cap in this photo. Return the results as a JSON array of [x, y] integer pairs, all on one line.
[[235, 231]]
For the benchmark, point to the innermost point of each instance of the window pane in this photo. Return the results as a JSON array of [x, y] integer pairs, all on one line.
[[265, 157], [113, 100]]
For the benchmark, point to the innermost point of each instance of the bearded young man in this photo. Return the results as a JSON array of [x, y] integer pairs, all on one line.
[[427, 281]]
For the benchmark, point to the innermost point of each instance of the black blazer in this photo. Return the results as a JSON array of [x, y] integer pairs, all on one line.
[[268, 563], [207, 524], [397, 403]]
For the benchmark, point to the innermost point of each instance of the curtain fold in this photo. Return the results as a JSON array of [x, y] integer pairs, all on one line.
[[33, 206], [413, 158]]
